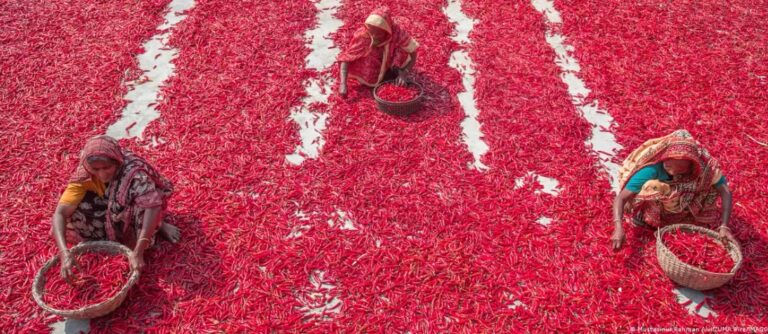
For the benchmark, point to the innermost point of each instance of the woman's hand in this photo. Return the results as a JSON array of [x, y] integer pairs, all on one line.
[[618, 238], [150, 221], [725, 233], [67, 263], [625, 196], [137, 261], [60, 216], [402, 78]]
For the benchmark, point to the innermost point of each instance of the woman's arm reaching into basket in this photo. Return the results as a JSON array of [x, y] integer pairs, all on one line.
[[149, 224], [60, 216]]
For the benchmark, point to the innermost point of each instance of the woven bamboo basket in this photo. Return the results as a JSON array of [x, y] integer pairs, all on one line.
[[90, 311], [399, 108], [690, 276]]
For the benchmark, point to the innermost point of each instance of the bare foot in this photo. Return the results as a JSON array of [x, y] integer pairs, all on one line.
[[170, 232]]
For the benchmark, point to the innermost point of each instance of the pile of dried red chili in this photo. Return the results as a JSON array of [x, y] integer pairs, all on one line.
[[98, 277], [699, 251], [396, 93]]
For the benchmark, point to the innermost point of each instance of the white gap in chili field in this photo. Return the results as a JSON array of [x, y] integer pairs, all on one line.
[[157, 64], [602, 140], [70, 326], [318, 302], [460, 60], [338, 219], [514, 302], [299, 229], [343, 220], [240, 193], [323, 55], [544, 221], [549, 185], [695, 302]]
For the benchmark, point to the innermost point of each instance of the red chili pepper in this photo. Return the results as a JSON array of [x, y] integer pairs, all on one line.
[[395, 93], [99, 277], [699, 250]]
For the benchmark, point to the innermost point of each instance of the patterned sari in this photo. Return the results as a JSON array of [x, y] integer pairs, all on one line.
[[690, 198], [369, 63], [119, 215]]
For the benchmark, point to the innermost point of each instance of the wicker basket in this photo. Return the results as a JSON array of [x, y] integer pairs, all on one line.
[[399, 108], [688, 275], [90, 311]]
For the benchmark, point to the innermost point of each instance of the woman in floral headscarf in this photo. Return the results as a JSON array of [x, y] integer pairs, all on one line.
[[113, 195], [379, 50], [671, 180]]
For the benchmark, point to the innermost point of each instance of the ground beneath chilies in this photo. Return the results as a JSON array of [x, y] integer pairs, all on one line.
[[389, 229]]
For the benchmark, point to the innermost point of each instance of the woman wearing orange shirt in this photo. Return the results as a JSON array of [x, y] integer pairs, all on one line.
[[113, 195]]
